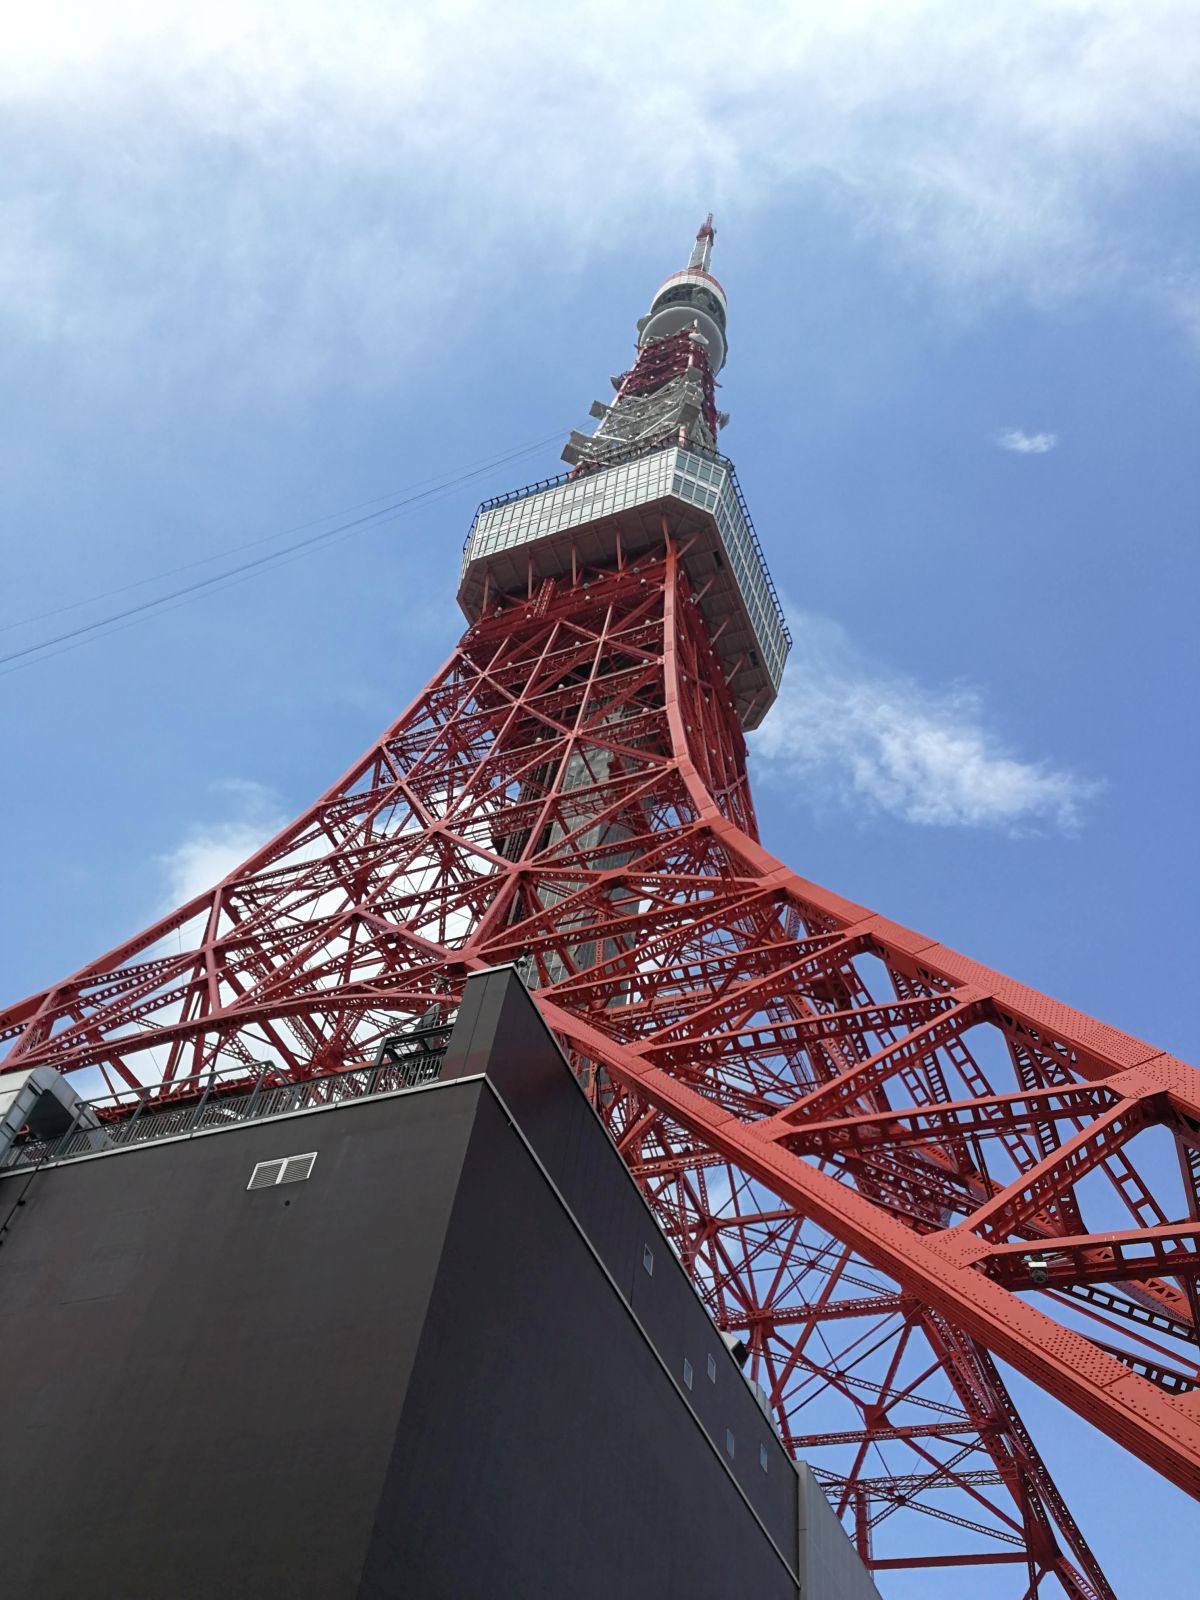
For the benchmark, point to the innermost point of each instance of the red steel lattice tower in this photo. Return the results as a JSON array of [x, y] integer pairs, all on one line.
[[883, 1164]]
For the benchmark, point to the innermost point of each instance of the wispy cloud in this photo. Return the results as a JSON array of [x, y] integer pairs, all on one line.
[[325, 175], [1026, 444], [210, 850], [847, 735]]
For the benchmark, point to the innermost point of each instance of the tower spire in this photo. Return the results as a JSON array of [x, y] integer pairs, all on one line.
[[702, 249], [670, 391]]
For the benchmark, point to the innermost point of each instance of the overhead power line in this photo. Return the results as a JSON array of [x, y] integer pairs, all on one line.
[[42, 649]]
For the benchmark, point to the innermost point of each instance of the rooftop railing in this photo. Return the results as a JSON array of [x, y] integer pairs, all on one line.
[[132, 1117]]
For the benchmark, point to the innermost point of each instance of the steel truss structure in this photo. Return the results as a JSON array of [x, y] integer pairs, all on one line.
[[883, 1164]]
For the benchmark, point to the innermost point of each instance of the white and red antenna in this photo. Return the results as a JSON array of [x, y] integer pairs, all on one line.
[[669, 392], [702, 249]]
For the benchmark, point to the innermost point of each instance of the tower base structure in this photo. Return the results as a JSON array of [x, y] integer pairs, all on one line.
[[418, 1341]]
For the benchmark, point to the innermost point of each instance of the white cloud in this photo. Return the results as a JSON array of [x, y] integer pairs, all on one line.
[[872, 742], [318, 168], [1026, 444], [211, 850]]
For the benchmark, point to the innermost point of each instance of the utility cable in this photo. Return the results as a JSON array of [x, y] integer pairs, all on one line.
[[42, 648], [220, 582], [266, 538]]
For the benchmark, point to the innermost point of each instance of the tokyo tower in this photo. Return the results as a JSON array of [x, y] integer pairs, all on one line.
[[885, 1167]]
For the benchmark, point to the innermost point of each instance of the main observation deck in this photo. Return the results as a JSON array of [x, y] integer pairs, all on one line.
[[616, 512]]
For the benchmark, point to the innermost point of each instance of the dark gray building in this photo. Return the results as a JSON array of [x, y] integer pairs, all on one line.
[[443, 1351]]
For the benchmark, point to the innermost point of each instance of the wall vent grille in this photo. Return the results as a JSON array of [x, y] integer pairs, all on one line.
[[290, 1169]]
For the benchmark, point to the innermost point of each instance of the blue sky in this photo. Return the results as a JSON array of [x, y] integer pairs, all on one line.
[[263, 265]]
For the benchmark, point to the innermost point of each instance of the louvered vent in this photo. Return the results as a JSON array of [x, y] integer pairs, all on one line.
[[265, 1174], [291, 1169]]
